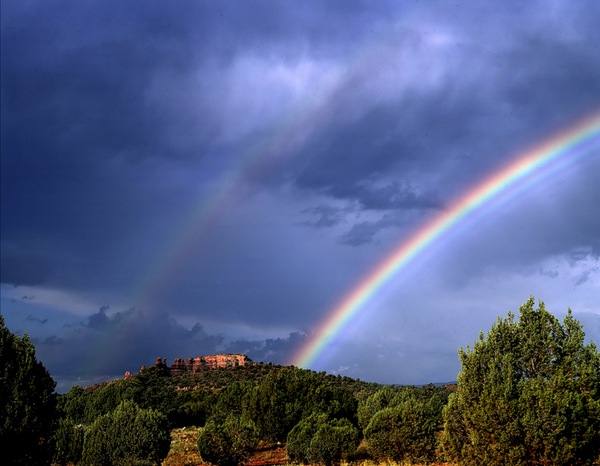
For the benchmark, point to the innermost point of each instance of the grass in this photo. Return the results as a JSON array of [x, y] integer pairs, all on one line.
[[184, 451]]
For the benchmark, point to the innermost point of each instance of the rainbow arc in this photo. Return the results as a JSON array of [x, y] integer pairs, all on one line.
[[529, 167]]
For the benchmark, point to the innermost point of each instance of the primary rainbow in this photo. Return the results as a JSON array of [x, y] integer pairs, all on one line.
[[530, 166]]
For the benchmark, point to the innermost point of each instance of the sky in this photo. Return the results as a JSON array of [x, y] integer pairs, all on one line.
[[198, 177]]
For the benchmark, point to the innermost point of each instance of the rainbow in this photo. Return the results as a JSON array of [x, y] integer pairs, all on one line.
[[232, 183], [525, 169]]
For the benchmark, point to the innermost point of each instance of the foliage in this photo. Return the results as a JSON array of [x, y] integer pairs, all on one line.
[[299, 438], [368, 407], [72, 405], [155, 388], [231, 400], [229, 443], [405, 431], [102, 400], [287, 396], [317, 439], [528, 394], [27, 402], [67, 442], [127, 435]]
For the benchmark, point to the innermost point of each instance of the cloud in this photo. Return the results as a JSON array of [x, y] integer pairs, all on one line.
[[327, 215], [126, 340], [31, 318], [217, 160]]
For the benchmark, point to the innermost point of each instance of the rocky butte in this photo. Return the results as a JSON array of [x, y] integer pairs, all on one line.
[[201, 362]]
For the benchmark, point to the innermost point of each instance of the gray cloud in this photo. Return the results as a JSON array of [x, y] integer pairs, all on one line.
[[172, 158], [126, 340]]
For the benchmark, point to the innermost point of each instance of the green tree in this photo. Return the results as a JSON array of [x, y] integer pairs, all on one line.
[[318, 439], [405, 431], [528, 394], [229, 443], [126, 436], [153, 387], [72, 404], [101, 400], [369, 406], [231, 399], [299, 438], [67, 442], [281, 400], [334, 441], [27, 402]]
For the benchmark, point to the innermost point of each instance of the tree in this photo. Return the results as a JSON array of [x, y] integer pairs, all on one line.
[[281, 400], [369, 406], [229, 443], [405, 431], [299, 438], [318, 439], [334, 441], [67, 442], [528, 394], [126, 436], [27, 402]]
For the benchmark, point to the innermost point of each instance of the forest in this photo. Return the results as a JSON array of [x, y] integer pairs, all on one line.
[[528, 394]]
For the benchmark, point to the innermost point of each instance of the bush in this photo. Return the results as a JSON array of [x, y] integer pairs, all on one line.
[[299, 438], [68, 442], [404, 432], [229, 443], [127, 435], [319, 440], [528, 394]]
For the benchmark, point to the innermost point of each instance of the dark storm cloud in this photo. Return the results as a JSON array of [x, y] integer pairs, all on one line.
[[364, 232], [327, 216], [23, 266], [92, 105], [127, 340], [113, 344], [275, 350], [36, 319], [87, 99], [123, 123]]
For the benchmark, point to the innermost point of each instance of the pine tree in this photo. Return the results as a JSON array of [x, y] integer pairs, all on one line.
[[27, 402], [528, 394]]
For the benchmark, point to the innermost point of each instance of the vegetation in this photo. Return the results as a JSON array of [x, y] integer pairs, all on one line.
[[528, 393], [229, 443], [129, 435], [318, 439], [27, 402], [405, 431]]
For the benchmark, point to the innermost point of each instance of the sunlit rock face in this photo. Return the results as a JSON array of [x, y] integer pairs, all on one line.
[[199, 362]]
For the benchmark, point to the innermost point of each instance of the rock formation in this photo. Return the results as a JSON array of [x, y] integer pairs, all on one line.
[[200, 362]]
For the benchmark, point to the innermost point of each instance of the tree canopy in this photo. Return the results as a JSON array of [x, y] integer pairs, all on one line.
[[27, 402], [528, 394]]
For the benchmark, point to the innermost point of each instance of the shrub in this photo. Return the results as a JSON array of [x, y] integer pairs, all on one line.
[[68, 442], [405, 432], [127, 435], [229, 443], [299, 438], [316, 439]]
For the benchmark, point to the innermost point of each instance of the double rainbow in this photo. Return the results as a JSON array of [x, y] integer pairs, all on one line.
[[527, 168]]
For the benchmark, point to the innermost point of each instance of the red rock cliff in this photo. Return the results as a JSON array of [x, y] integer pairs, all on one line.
[[214, 361]]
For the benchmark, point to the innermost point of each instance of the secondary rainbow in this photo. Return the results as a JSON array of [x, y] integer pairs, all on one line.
[[529, 167]]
